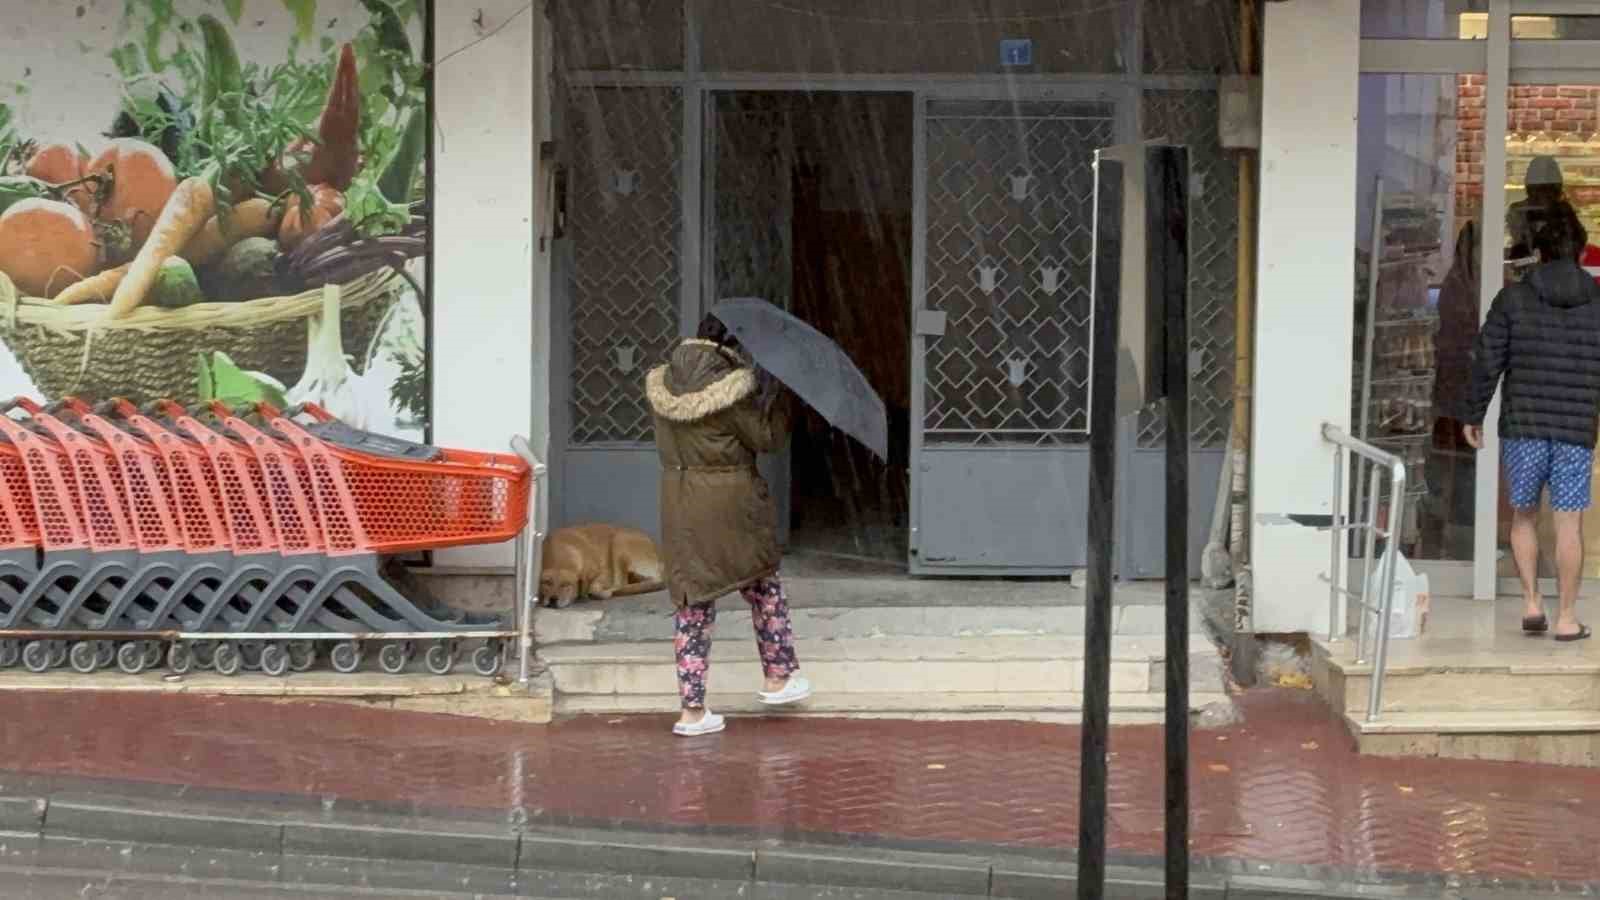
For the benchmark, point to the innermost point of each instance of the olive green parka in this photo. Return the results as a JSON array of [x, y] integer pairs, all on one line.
[[718, 518]]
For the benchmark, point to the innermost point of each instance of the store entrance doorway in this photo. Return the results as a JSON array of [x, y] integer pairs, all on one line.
[[1552, 154]]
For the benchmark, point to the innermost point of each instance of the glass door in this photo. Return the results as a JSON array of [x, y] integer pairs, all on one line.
[[1552, 154]]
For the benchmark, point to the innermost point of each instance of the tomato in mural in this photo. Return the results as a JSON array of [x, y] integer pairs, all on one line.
[[217, 199]]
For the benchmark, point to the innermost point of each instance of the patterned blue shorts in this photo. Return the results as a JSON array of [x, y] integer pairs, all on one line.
[[1532, 464]]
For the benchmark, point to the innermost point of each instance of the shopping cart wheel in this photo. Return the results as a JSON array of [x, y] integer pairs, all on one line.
[[58, 654], [153, 651], [131, 658], [10, 654], [250, 653], [346, 657], [302, 655], [37, 656], [180, 658], [105, 654], [274, 660], [227, 659], [440, 658], [486, 659], [203, 653], [85, 656], [392, 658]]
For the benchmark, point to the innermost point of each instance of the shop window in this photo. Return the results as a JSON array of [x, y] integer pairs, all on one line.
[[1416, 19], [1417, 289], [913, 36], [1553, 141]]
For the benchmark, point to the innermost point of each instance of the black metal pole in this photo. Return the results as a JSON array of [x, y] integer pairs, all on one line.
[[1168, 189], [1102, 540]]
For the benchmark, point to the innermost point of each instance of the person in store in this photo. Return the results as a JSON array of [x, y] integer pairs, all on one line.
[[1545, 187], [715, 412], [1540, 345], [1450, 469]]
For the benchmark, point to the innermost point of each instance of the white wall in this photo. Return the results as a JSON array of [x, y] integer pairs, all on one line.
[[485, 250], [1305, 306]]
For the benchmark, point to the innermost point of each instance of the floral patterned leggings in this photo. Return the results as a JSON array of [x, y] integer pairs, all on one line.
[[769, 612]]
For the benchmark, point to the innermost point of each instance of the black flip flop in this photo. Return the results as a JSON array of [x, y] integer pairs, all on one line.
[[1582, 634], [1535, 624]]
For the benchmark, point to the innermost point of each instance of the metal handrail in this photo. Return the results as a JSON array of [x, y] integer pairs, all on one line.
[[1380, 462], [529, 551]]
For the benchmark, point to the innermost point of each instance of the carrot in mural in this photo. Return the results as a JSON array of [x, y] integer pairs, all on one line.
[[186, 212]]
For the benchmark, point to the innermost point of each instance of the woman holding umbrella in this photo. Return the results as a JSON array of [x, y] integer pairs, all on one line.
[[715, 411]]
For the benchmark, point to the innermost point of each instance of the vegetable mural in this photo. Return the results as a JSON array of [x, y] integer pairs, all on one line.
[[217, 199]]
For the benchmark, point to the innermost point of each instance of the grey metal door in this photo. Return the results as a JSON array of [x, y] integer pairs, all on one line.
[[617, 299], [1000, 358], [1189, 117]]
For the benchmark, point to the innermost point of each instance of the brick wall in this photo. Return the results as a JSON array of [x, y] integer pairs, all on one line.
[[1566, 110], [1469, 148]]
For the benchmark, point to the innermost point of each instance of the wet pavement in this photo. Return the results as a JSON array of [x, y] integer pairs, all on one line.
[[1282, 786]]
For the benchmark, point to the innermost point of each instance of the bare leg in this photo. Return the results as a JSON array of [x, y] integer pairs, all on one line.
[[1525, 551], [1569, 568]]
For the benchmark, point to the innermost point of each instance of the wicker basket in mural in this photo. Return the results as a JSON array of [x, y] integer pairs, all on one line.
[[75, 350]]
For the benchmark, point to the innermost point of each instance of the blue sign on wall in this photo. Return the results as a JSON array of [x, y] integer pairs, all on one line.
[[1016, 52]]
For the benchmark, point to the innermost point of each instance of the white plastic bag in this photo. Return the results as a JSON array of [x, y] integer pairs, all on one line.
[[1408, 617]]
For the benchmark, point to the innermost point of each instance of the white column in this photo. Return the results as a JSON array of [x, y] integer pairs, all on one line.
[[485, 246], [1305, 291]]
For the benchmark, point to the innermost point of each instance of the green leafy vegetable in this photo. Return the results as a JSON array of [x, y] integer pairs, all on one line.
[[219, 379], [186, 90], [9, 139], [370, 210], [401, 172], [224, 79]]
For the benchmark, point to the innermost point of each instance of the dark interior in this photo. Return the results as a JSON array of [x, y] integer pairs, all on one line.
[[837, 172]]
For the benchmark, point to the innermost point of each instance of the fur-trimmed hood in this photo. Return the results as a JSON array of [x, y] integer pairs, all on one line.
[[700, 379]]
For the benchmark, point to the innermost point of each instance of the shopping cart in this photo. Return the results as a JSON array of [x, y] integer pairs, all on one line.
[[243, 538]]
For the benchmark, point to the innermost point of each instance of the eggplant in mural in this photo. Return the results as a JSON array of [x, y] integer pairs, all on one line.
[[242, 218]]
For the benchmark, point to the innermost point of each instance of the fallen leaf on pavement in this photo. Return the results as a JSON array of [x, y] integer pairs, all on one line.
[[1219, 768], [936, 766], [1297, 680], [1406, 788], [1310, 745]]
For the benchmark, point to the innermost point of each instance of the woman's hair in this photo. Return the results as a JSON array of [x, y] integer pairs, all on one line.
[[712, 329], [1557, 233]]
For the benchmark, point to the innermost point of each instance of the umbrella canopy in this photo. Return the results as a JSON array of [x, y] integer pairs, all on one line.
[[811, 365]]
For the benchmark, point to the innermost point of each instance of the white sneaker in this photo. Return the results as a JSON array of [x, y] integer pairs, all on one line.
[[796, 690], [710, 723]]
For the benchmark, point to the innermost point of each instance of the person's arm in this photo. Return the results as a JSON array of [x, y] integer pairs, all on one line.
[[1490, 357], [763, 427]]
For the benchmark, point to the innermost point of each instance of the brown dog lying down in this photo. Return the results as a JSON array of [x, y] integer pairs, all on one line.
[[598, 561]]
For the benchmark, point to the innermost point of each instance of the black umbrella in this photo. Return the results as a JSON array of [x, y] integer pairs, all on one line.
[[811, 365]]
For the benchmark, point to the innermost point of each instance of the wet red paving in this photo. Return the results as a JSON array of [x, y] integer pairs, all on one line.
[[1284, 786]]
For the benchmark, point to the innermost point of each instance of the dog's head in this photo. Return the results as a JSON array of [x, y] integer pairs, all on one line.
[[558, 587]]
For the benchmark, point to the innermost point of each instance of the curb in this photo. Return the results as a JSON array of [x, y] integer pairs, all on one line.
[[305, 845]]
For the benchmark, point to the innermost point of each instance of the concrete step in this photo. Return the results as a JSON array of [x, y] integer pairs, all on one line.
[[1555, 737], [1446, 687], [943, 676], [649, 618]]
